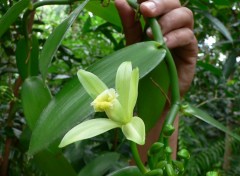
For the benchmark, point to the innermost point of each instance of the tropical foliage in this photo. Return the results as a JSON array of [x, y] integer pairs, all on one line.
[[44, 43]]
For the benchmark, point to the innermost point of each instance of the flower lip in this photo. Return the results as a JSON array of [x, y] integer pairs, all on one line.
[[105, 100]]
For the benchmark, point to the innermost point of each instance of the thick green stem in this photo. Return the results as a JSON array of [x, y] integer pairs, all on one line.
[[137, 158], [175, 94], [156, 30]]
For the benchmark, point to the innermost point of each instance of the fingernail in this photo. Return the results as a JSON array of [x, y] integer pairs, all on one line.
[[149, 5], [165, 39], [149, 32]]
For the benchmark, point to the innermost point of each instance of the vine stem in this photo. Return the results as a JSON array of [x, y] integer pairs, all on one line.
[[137, 158], [175, 94]]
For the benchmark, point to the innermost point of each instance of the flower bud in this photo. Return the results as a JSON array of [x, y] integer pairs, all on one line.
[[168, 130], [155, 148], [212, 173], [183, 154], [161, 164], [168, 150], [170, 170], [155, 172], [179, 166]]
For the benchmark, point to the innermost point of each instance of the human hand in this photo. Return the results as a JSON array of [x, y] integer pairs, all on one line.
[[177, 27]]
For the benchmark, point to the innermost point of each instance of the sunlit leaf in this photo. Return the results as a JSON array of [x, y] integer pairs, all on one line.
[[54, 40], [108, 13]]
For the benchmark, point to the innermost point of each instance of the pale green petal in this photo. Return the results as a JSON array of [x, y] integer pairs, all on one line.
[[133, 92], [135, 131], [123, 80], [91, 83], [88, 129], [116, 113]]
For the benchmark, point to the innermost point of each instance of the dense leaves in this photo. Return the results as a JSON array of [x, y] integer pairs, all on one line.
[[95, 33]]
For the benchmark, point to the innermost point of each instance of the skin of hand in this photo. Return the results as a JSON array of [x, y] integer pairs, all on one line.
[[177, 27]]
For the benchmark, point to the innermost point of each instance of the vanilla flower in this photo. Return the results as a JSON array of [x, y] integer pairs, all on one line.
[[118, 104]]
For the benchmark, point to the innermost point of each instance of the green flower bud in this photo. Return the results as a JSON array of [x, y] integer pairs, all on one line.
[[212, 173], [161, 164], [168, 130], [170, 170], [183, 154], [179, 166], [155, 148], [168, 150], [155, 172]]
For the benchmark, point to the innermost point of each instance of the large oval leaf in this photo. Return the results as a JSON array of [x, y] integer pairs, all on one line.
[[72, 105], [27, 57], [35, 97], [54, 40], [153, 90], [11, 15], [127, 171], [100, 165], [53, 164], [108, 13]]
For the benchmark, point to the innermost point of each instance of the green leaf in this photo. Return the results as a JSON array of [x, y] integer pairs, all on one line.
[[222, 3], [88, 129], [54, 40], [153, 90], [230, 65], [108, 13], [217, 23], [100, 165], [35, 97], [53, 164], [11, 15], [200, 114], [127, 171], [27, 57], [210, 67], [72, 105]]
